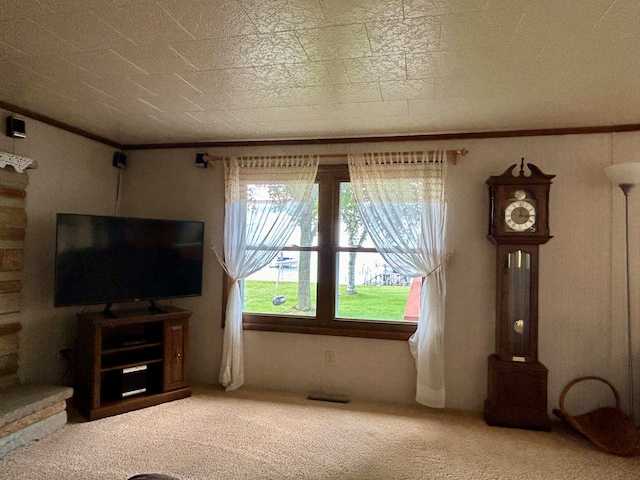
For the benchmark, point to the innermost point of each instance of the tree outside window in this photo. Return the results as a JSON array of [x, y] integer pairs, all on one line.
[[329, 279]]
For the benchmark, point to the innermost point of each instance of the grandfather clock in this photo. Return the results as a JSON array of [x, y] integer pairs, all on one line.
[[518, 225]]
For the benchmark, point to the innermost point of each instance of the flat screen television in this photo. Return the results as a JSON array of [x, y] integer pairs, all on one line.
[[105, 259]]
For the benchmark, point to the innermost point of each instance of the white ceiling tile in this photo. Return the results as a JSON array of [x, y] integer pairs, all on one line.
[[132, 106], [156, 118], [442, 114], [383, 68], [408, 89], [519, 5], [331, 43], [420, 8], [201, 20], [618, 15], [288, 130], [12, 9], [165, 84], [53, 95], [6, 86], [283, 47], [282, 97], [225, 131], [30, 38], [213, 116], [173, 104], [60, 6], [233, 79], [15, 74], [109, 111], [77, 90], [479, 30], [358, 92], [119, 87], [83, 119], [175, 118], [447, 63], [275, 114], [145, 24], [205, 54], [307, 95], [67, 112], [340, 12], [244, 99], [464, 86], [155, 59], [104, 63], [55, 67], [8, 52], [84, 30], [339, 110], [411, 35], [344, 68], [209, 80], [560, 25], [243, 51], [212, 100], [318, 73], [142, 128], [390, 108], [310, 128], [283, 15], [33, 95], [393, 125]]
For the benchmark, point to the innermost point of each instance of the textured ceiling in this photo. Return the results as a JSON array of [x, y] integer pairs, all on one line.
[[163, 71]]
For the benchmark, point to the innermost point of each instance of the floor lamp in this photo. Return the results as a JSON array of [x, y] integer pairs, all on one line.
[[626, 176]]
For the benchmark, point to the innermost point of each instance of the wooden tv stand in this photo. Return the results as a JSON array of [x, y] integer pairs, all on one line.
[[132, 361]]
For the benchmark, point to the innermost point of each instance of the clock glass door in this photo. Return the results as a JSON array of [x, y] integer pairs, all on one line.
[[519, 311]]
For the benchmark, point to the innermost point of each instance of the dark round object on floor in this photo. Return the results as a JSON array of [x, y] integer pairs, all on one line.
[[153, 476]]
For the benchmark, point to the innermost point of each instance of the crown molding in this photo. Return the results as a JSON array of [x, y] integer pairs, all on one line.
[[631, 127], [61, 125]]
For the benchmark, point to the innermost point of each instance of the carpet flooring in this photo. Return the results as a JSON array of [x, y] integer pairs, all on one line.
[[250, 434]]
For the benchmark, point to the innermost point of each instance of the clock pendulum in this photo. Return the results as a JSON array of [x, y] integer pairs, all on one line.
[[518, 225]]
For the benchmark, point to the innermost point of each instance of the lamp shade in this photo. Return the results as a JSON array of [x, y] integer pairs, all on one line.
[[624, 173]]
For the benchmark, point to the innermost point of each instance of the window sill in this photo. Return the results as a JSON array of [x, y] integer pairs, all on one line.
[[341, 328]]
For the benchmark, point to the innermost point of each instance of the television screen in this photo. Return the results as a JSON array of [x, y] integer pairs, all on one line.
[[104, 260]]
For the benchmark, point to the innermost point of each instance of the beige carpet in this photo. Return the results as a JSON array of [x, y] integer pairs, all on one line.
[[264, 435]]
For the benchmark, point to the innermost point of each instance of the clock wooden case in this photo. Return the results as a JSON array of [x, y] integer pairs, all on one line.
[[510, 195], [518, 224]]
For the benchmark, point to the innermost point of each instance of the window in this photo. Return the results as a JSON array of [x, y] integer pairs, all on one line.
[[329, 279]]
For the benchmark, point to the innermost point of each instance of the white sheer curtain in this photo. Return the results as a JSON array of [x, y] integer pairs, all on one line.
[[257, 224], [401, 198]]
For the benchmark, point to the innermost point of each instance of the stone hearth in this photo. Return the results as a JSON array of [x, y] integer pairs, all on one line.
[[27, 412]]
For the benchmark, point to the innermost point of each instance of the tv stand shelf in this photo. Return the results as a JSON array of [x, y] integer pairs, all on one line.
[[131, 359]]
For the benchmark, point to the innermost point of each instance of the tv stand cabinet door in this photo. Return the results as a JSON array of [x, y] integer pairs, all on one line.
[[176, 332]]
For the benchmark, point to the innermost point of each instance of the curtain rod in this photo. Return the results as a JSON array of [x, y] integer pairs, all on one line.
[[455, 154]]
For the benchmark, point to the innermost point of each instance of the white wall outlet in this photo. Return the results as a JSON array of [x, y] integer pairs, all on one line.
[[329, 358]]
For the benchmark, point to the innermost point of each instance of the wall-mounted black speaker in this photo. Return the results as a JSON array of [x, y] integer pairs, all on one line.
[[16, 127], [119, 160], [202, 160]]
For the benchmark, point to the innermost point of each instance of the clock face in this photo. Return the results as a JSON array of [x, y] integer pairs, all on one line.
[[520, 216]]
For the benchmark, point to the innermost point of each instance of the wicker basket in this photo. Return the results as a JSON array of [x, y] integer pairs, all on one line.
[[607, 427]]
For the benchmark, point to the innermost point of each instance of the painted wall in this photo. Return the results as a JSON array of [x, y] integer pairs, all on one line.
[[74, 175], [166, 184], [582, 286], [582, 272]]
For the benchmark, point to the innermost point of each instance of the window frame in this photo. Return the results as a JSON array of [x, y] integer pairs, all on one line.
[[328, 178]]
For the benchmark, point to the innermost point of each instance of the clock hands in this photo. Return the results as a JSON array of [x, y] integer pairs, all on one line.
[[520, 215]]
